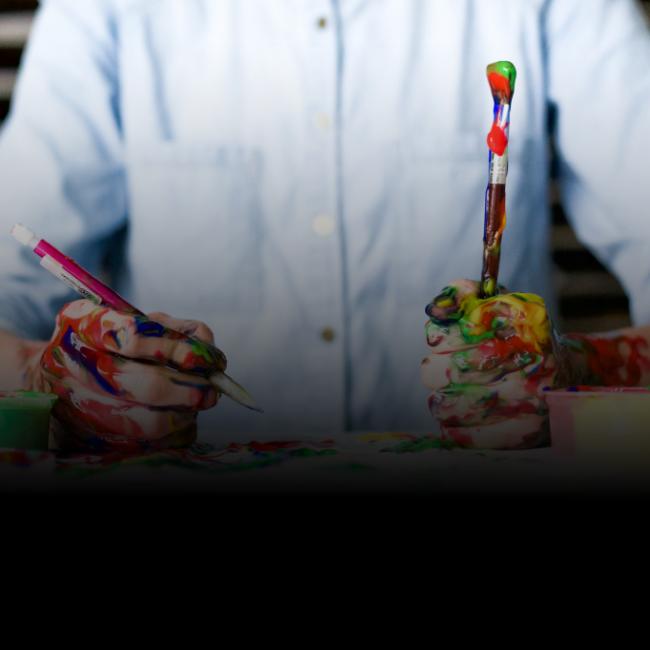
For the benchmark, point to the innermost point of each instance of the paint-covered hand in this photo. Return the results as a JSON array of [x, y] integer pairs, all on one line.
[[490, 361], [128, 381]]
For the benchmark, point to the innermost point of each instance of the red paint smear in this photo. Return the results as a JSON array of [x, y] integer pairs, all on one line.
[[497, 140], [607, 363], [195, 362], [271, 446], [500, 86], [502, 347], [496, 410], [461, 439]]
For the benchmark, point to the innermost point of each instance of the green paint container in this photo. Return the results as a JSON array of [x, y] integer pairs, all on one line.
[[25, 419]]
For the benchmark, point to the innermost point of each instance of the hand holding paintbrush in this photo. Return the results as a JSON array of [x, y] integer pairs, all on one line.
[[492, 353]]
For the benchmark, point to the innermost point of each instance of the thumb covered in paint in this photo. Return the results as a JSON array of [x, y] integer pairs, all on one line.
[[446, 305]]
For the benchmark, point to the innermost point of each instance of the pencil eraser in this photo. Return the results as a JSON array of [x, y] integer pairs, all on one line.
[[24, 235]]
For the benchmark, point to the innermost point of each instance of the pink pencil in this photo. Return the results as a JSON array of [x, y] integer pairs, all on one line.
[[77, 278]]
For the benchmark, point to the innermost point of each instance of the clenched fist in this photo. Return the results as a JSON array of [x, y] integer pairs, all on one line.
[[490, 361], [128, 381]]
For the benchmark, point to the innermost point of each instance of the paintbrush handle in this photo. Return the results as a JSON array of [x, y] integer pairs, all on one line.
[[495, 221], [501, 77]]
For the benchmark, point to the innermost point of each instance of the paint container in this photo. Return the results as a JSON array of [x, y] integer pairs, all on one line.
[[606, 426], [25, 419]]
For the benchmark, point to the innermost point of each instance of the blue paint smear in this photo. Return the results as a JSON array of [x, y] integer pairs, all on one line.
[[86, 361], [113, 335], [149, 328]]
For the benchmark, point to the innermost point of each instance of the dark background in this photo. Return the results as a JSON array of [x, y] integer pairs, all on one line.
[[590, 298]]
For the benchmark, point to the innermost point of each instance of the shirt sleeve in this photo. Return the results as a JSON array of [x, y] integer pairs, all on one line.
[[598, 74], [61, 167]]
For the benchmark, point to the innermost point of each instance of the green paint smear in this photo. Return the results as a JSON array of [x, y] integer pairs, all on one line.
[[505, 69], [461, 360], [165, 459], [470, 304], [310, 453], [458, 389], [488, 288], [422, 444], [202, 350], [447, 292], [466, 327], [446, 295], [432, 328]]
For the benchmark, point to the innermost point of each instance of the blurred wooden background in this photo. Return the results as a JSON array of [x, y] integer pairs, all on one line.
[[590, 298]]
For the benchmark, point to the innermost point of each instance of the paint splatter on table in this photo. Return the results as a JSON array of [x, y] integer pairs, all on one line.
[[232, 457], [394, 462], [386, 462]]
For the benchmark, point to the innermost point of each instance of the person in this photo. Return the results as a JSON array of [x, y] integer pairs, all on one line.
[[300, 177]]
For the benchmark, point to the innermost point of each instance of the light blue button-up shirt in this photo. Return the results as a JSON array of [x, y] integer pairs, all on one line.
[[280, 175]]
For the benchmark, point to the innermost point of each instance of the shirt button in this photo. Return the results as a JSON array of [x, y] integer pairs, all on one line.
[[323, 225], [321, 23], [323, 121], [328, 334]]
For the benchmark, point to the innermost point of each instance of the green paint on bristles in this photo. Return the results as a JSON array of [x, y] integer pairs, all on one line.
[[505, 69]]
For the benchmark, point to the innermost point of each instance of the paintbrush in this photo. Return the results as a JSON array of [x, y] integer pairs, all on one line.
[[501, 77]]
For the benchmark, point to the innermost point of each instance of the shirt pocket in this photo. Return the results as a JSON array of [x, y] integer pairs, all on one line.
[[195, 238], [443, 208], [441, 215]]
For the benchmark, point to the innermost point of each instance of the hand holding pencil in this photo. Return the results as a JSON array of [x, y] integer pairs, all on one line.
[[125, 378], [127, 381]]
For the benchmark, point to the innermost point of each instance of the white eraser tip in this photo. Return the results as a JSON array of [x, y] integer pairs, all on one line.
[[24, 235]]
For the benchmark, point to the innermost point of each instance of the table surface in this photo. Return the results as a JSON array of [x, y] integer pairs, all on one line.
[[395, 462]]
